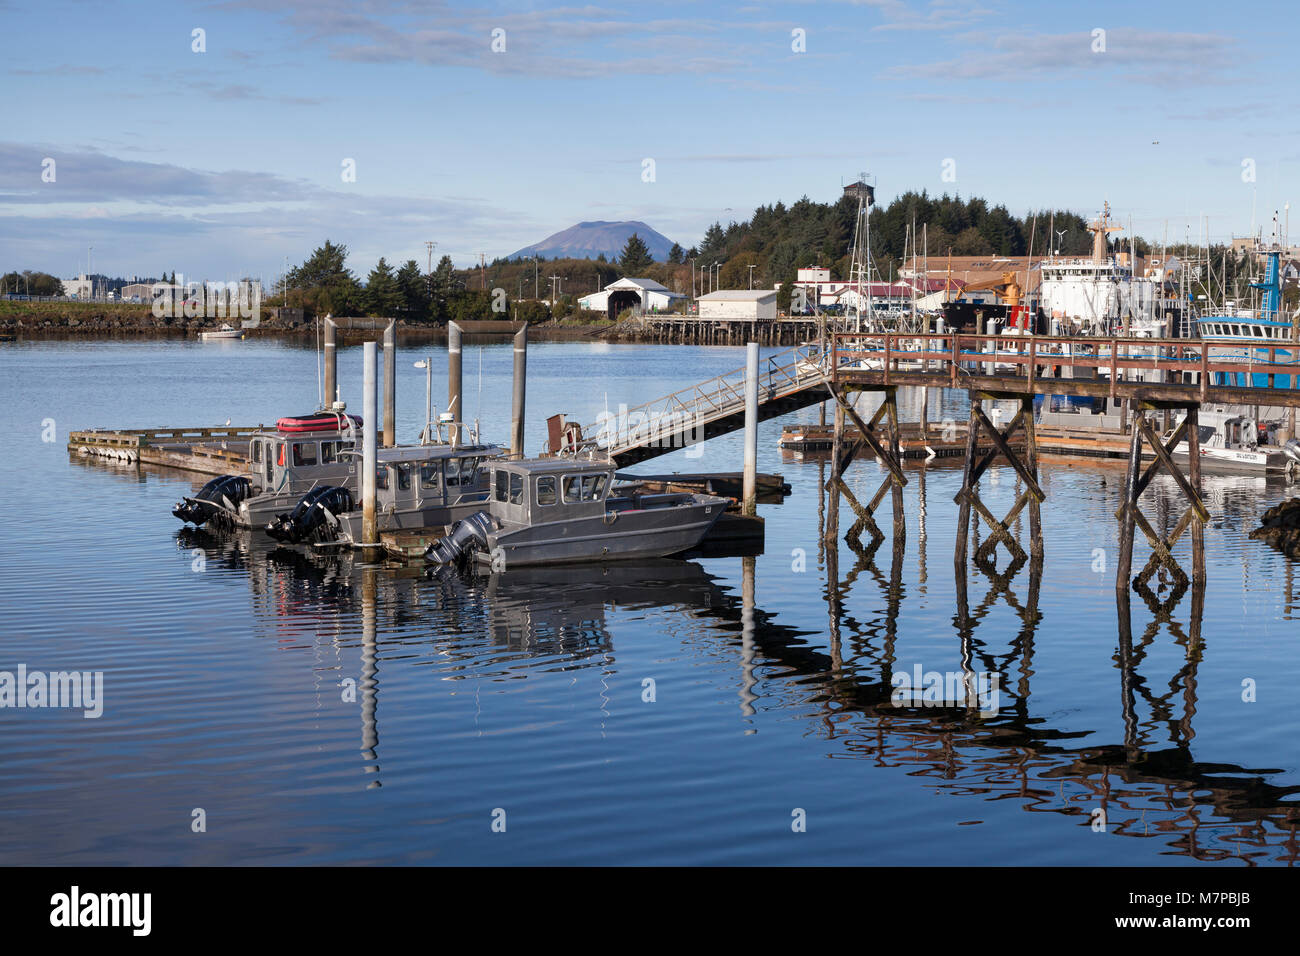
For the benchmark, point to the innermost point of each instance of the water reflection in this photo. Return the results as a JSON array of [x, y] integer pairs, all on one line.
[[1149, 783], [1146, 787]]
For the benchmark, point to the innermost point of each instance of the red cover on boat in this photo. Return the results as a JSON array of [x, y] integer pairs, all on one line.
[[319, 422]]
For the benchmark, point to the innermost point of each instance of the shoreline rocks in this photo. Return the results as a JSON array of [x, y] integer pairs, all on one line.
[[1280, 527]]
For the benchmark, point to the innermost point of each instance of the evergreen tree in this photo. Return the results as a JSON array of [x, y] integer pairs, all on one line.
[[675, 255], [383, 296], [413, 288], [636, 256], [714, 242], [327, 284]]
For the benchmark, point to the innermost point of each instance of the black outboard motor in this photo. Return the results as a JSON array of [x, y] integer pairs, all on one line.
[[310, 514], [467, 536], [218, 499]]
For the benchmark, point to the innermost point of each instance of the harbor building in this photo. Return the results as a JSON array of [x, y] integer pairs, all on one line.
[[640, 295], [79, 288], [753, 305]]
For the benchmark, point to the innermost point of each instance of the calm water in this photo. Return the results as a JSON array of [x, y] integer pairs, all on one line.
[[227, 662]]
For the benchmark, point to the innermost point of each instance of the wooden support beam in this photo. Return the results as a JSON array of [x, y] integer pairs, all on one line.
[[1137, 480], [1163, 456], [1000, 443]]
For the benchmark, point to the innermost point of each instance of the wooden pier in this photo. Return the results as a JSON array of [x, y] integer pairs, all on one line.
[[692, 330], [218, 450]]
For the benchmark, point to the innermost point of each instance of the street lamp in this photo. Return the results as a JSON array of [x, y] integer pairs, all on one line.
[[427, 365], [751, 277]]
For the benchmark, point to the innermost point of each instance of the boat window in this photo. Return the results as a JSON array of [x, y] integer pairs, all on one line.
[[256, 448], [593, 487], [546, 490], [431, 475], [381, 477], [454, 471], [403, 476], [328, 453], [468, 469], [304, 453], [516, 488], [502, 483], [584, 487], [1206, 432]]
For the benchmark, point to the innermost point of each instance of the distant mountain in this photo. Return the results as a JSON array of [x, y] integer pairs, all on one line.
[[587, 240]]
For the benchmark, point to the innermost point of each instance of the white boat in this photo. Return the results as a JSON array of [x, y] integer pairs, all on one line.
[[1229, 444], [225, 332]]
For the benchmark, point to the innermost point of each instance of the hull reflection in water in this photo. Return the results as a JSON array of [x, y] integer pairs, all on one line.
[[1148, 782]]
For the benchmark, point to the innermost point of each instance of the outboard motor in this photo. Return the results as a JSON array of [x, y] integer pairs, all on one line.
[[309, 518], [467, 536], [1292, 449], [216, 500]]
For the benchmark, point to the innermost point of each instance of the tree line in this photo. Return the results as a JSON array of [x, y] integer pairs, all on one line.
[[776, 241]]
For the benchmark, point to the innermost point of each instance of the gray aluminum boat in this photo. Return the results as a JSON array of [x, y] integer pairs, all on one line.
[[416, 486], [282, 466], [560, 510]]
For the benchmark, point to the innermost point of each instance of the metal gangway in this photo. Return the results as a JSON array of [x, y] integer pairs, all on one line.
[[788, 380]]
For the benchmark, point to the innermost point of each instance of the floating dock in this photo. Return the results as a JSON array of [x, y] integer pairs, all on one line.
[[219, 450]]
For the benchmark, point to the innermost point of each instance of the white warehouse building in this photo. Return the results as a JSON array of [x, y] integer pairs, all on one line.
[[642, 295], [743, 304]]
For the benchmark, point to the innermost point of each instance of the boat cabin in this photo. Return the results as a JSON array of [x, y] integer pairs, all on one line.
[[541, 490], [421, 475], [282, 462], [1224, 430]]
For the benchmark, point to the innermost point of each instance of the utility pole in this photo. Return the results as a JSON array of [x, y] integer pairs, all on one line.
[[554, 287], [429, 244], [482, 269], [751, 277], [536, 289]]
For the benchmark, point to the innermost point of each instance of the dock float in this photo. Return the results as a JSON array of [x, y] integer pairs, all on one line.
[[217, 450]]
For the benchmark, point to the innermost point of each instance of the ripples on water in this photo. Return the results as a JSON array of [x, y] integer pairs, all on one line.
[[228, 662]]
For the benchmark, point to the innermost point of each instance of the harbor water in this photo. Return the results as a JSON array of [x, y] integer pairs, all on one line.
[[263, 705]]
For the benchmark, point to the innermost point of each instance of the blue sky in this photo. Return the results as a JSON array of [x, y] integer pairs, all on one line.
[[224, 162]]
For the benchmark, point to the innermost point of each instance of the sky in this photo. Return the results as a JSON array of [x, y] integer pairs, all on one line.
[[132, 141]]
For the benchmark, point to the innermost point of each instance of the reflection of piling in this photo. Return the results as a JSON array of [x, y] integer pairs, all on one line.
[[331, 367], [748, 681], [369, 672], [751, 430], [390, 385], [520, 390], [370, 452], [832, 534], [453, 379]]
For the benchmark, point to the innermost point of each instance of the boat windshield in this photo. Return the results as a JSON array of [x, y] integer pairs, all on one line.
[[584, 487], [461, 471]]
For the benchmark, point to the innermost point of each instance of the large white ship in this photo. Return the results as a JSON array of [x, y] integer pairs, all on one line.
[[1106, 295]]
